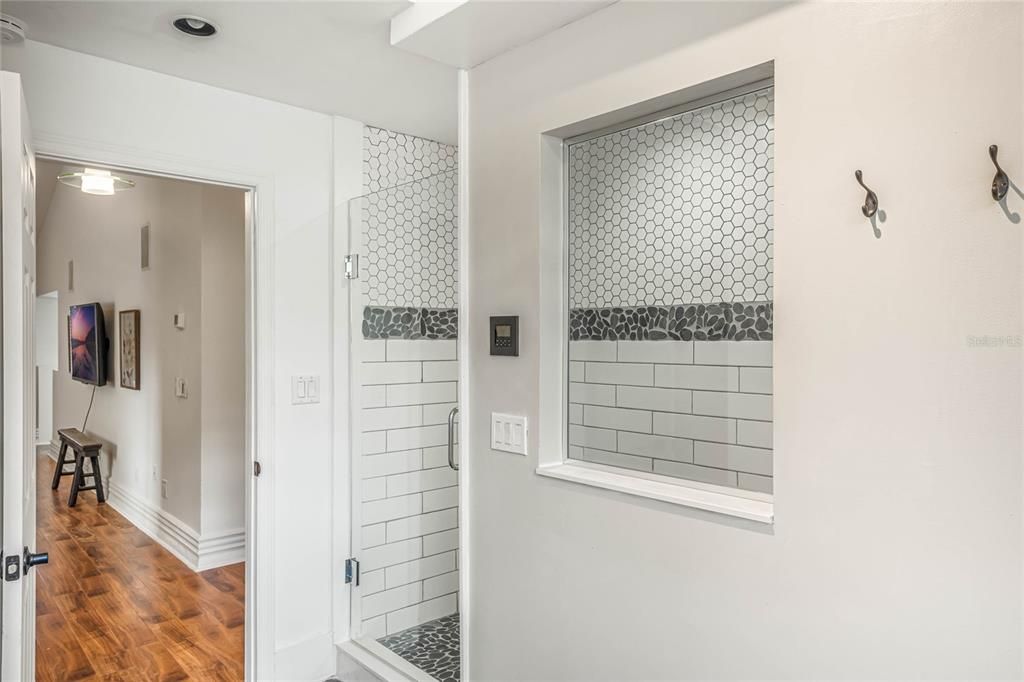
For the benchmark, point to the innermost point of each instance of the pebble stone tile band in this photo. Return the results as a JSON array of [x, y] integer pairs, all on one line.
[[432, 647], [410, 323], [703, 322]]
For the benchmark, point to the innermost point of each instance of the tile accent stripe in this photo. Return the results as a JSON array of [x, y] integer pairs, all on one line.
[[689, 321], [400, 322]]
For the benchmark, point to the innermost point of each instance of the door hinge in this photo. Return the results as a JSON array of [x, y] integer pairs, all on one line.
[[12, 567], [352, 266], [352, 572]]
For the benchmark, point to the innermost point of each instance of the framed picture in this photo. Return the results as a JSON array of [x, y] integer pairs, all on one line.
[[128, 334]]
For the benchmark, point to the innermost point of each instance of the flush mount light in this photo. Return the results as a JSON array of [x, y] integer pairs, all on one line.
[[93, 181], [194, 26]]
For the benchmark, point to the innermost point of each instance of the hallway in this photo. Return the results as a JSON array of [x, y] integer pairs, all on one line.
[[113, 604]]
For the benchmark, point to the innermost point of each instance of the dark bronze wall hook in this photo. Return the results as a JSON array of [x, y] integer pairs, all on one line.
[[870, 206], [1000, 183]]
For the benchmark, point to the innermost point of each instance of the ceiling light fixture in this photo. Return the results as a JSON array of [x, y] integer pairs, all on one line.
[[196, 27], [93, 181]]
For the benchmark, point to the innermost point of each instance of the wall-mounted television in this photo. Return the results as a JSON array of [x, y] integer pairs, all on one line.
[[87, 344]]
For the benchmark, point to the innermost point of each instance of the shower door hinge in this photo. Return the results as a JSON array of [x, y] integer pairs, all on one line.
[[352, 572], [352, 266]]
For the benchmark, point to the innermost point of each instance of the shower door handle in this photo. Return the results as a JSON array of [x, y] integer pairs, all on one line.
[[451, 438]]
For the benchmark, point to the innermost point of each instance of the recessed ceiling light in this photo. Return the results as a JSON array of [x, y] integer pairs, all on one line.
[[93, 181], [194, 26]]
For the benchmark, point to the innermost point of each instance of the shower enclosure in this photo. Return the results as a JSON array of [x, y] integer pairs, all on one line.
[[403, 369]]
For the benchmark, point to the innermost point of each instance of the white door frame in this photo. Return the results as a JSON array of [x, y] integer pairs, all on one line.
[[259, 369]]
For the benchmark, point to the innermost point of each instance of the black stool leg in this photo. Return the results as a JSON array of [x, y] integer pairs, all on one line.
[[60, 465], [77, 479], [97, 478]]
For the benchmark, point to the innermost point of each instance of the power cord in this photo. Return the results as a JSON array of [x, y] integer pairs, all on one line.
[[89, 411]]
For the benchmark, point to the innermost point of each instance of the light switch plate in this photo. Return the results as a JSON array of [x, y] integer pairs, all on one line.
[[508, 433], [180, 388], [305, 390], [179, 320]]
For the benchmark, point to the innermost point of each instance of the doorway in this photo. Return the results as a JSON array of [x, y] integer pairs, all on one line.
[[155, 579]]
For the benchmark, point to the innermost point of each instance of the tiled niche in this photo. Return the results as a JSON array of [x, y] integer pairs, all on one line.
[[670, 266]]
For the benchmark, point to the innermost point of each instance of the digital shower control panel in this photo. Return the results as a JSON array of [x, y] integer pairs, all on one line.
[[505, 335]]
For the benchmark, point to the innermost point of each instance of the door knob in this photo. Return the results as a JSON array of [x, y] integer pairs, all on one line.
[[34, 559]]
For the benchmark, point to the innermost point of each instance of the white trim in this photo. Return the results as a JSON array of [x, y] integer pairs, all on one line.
[[465, 403], [665, 490], [259, 310], [194, 550]]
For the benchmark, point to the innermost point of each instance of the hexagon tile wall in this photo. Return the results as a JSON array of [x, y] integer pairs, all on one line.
[[410, 237], [678, 211]]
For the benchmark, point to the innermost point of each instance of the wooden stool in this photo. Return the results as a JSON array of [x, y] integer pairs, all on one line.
[[84, 448]]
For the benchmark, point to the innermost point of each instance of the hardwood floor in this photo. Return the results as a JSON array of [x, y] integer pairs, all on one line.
[[114, 605]]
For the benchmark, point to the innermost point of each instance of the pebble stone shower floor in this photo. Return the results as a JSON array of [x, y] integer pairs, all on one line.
[[432, 647]]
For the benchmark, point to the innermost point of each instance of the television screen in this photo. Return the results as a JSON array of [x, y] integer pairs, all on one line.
[[87, 339]]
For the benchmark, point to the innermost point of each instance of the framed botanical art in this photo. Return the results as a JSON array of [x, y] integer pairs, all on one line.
[[128, 334]]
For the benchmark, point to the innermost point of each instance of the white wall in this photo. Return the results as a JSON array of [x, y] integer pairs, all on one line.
[[896, 550], [46, 362], [77, 99]]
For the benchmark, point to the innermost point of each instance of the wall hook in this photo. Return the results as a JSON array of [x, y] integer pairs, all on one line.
[[1000, 183], [870, 206]]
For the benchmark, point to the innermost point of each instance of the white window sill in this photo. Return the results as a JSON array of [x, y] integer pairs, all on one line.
[[751, 506]]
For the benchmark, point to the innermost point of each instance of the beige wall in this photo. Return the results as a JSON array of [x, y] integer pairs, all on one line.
[[896, 548], [196, 262]]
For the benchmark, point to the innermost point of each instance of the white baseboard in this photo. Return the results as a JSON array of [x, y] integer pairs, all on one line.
[[197, 552]]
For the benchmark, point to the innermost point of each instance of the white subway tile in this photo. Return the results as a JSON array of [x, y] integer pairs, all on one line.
[[418, 481], [660, 399], [756, 434], [371, 581], [417, 437], [761, 484], [390, 373], [575, 414], [427, 567], [694, 376], [373, 489], [617, 418], [423, 524], [390, 554], [575, 452], [620, 373], [420, 349], [373, 396], [383, 418], [658, 447], [698, 428], [592, 394], [420, 394], [391, 600], [374, 442], [740, 405], [756, 379], [391, 508], [749, 353], [667, 352], [441, 542], [617, 459], [695, 473], [441, 370], [391, 463], [374, 535], [602, 439], [403, 619], [437, 413], [371, 350], [376, 627], [736, 457], [438, 456], [576, 370], [444, 498], [440, 585], [599, 351]]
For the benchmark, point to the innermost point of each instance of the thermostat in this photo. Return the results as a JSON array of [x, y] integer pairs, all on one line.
[[505, 335]]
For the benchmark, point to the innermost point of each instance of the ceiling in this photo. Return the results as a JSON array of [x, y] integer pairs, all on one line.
[[336, 57], [333, 57]]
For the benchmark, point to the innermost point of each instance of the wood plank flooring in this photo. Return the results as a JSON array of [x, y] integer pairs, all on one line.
[[114, 605]]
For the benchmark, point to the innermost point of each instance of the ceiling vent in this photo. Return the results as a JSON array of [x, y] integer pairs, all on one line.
[[194, 26], [12, 30]]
